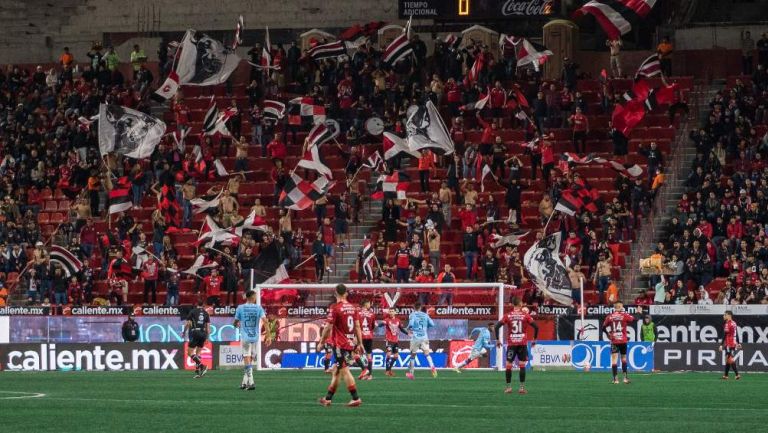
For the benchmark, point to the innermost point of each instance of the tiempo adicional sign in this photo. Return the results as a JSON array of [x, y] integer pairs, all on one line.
[[453, 10]]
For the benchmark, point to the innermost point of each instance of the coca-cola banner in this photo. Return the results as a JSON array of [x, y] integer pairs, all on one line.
[[477, 9]]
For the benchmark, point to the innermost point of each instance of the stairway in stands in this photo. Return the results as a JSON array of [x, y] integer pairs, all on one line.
[[370, 215]]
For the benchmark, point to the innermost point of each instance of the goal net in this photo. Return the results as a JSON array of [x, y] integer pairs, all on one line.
[[296, 313]]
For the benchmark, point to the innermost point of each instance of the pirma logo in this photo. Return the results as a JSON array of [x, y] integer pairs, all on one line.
[[586, 330]]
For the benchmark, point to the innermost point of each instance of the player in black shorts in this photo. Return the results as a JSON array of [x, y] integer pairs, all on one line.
[[199, 327]]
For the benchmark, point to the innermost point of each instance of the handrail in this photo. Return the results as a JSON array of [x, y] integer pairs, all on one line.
[[648, 233]]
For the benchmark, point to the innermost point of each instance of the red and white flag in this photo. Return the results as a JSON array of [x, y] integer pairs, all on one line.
[[616, 16], [394, 145], [239, 28], [650, 67]]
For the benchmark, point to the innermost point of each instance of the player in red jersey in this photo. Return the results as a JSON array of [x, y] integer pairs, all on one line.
[[615, 326], [517, 322], [391, 326], [730, 343], [367, 324], [345, 336]]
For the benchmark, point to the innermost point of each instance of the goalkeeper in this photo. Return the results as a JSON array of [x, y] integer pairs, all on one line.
[[480, 348]]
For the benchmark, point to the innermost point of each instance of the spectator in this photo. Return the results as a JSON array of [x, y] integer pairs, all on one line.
[[138, 59], [648, 330], [614, 47], [665, 51], [580, 125], [747, 51], [212, 287], [150, 273], [469, 247], [446, 277], [131, 330], [66, 59], [402, 263]]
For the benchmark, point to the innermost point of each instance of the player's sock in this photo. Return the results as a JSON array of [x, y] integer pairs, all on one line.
[[353, 392], [331, 391], [411, 364], [522, 375], [733, 367], [327, 361], [727, 367], [615, 370], [197, 360], [249, 374], [429, 361], [508, 374], [370, 363], [388, 363]]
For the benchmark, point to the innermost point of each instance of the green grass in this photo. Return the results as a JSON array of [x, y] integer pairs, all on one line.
[[286, 401]]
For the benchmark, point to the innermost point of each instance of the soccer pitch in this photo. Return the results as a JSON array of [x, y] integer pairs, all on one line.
[[286, 401]]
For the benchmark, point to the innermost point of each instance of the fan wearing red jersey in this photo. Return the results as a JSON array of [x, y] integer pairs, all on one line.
[[615, 326], [392, 325], [730, 343], [343, 332], [367, 324], [517, 322]]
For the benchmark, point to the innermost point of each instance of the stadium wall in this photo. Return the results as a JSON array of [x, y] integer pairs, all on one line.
[[37, 30]]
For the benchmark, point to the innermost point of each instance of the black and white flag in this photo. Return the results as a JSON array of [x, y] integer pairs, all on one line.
[[542, 261], [426, 129], [128, 132], [204, 61]]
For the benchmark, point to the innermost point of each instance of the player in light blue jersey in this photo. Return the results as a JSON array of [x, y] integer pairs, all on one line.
[[249, 317], [418, 324], [480, 348]]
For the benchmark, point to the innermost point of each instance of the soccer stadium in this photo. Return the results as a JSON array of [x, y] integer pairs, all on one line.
[[406, 215]]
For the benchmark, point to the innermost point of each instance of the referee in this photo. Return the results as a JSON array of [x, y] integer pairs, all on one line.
[[199, 327]]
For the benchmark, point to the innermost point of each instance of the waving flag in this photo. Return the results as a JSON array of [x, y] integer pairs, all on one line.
[[547, 271], [368, 255], [510, 239], [68, 261], [532, 53], [213, 233], [393, 186], [239, 28], [128, 132], [626, 117], [617, 16], [204, 61], [274, 109], [452, 40], [426, 129], [479, 104], [299, 194], [251, 222], [329, 50], [374, 161], [169, 88], [266, 51], [485, 172], [120, 196], [215, 121], [394, 145], [304, 109], [650, 67], [569, 203], [203, 203], [322, 132], [199, 264], [474, 71], [400, 47], [313, 161]]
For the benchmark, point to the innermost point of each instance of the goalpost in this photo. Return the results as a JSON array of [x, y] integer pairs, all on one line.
[[399, 296]]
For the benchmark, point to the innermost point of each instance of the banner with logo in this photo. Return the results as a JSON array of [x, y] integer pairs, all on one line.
[[669, 329], [706, 357], [477, 10], [697, 309], [595, 354], [96, 357]]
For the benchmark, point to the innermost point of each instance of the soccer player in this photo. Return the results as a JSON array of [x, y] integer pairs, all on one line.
[[344, 333], [517, 322], [481, 347], [367, 324], [199, 327], [392, 325], [418, 324], [730, 343], [615, 326], [249, 317]]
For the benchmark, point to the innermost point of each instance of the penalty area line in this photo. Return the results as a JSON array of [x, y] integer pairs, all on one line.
[[23, 395], [428, 405]]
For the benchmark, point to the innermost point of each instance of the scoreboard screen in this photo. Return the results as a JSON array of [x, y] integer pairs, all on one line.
[[452, 10]]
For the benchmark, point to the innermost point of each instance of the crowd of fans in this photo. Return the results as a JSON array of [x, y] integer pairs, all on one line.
[[48, 150], [717, 249]]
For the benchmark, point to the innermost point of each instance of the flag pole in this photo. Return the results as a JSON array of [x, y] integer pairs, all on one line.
[[548, 221], [305, 261]]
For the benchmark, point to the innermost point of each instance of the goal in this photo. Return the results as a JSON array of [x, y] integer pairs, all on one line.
[[456, 309]]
